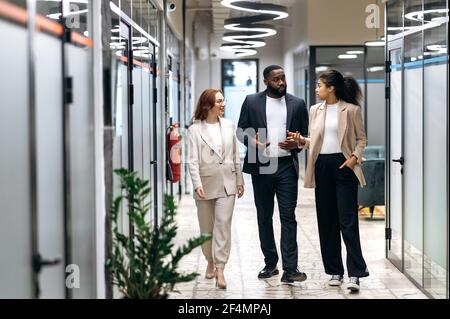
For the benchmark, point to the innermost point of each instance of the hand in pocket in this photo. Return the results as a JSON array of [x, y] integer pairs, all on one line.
[[350, 163]]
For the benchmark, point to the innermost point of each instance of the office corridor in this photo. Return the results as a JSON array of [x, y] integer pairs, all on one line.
[[385, 281]]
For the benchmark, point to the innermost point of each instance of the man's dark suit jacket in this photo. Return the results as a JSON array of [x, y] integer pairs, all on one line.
[[253, 116]]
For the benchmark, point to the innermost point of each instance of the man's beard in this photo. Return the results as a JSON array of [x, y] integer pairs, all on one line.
[[276, 92]]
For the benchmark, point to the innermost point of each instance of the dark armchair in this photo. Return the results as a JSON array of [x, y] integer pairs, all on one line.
[[373, 168]]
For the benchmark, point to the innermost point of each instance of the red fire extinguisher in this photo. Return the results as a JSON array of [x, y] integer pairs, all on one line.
[[173, 153]]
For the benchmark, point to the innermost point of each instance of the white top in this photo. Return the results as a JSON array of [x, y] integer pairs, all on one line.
[[276, 114], [330, 139], [216, 135]]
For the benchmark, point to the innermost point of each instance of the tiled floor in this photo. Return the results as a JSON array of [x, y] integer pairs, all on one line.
[[385, 281]]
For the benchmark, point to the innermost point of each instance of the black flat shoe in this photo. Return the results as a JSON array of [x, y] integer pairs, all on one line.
[[268, 272], [290, 277]]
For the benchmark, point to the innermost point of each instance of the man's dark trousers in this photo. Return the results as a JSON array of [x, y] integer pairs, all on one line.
[[283, 183]]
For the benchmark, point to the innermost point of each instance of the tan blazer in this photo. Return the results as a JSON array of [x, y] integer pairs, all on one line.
[[218, 174], [351, 135]]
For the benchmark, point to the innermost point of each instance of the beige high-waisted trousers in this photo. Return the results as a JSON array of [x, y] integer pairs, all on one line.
[[214, 216]]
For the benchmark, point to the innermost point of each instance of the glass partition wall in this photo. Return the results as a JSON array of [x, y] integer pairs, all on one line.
[[49, 164], [418, 214]]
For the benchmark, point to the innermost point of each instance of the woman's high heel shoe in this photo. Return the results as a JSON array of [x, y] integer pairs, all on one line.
[[220, 283], [210, 275]]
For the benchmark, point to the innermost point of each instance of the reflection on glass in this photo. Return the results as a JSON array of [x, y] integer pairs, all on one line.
[[375, 65], [126, 6], [413, 14], [338, 58], [301, 61], [173, 44], [413, 47], [75, 11], [20, 3], [394, 17], [435, 38], [49, 9], [153, 20], [77, 16], [413, 167], [118, 43], [435, 166]]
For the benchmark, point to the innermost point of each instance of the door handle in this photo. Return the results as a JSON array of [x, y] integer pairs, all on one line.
[[153, 162], [401, 160], [39, 262]]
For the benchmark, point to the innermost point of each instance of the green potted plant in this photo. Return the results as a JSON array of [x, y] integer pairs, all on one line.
[[144, 264]]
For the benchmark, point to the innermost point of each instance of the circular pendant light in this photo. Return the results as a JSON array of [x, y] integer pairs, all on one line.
[[246, 32]]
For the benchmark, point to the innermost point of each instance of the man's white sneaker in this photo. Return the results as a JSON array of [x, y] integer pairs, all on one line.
[[353, 284], [336, 280]]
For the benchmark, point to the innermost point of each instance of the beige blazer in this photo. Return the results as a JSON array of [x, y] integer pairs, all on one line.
[[351, 135], [218, 173]]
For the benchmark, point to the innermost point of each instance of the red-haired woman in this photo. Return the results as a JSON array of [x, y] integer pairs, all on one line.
[[215, 169]]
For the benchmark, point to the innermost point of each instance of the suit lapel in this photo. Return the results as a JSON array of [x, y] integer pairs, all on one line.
[[320, 116], [289, 111], [342, 121], [263, 113], [208, 139], [224, 130]]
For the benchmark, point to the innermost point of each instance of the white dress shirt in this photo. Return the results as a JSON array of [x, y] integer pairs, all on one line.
[[216, 135]]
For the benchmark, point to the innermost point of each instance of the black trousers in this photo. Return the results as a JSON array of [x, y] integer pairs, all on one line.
[[284, 184], [337, 212]]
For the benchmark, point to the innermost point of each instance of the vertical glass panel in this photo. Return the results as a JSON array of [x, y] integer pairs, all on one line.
[[118, 42], [435, 174], [175, 92], [120, 98], [140, 13], [435, 162], [15, 194], [394, 17], [137, 121], [239, 79], [413, 15], [395, 252], [413, 168], [82, 169], [50, 178], [300, 73], [49, 9], [435, 41], [435, 12], [147, 107], [347, 60], [153, 20], [127, 7], [375, 96], [122, 101], [77, 16], [172, 44], [20, 3]]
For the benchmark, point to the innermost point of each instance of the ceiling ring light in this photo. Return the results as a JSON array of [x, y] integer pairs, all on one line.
[[245, 33]]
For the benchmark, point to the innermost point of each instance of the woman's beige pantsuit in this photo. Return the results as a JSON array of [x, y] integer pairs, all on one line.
[[219, 173]]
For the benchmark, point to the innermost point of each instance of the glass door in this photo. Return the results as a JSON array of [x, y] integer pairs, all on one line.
[[395, 159]]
